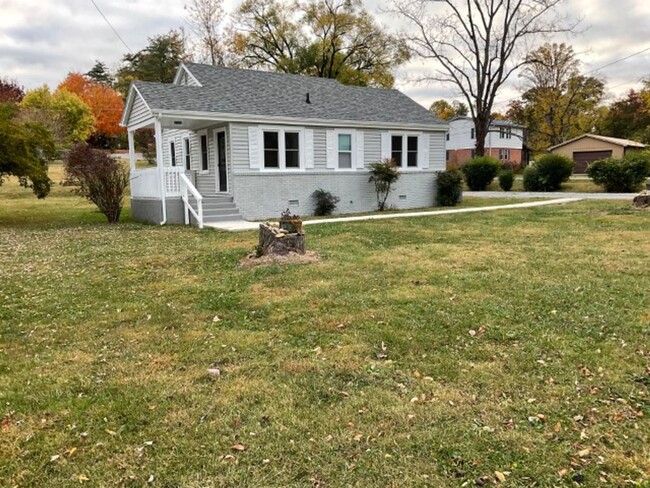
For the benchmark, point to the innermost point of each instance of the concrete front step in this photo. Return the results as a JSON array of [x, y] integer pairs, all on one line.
[[218, 208], [222, 218], [219, 211]]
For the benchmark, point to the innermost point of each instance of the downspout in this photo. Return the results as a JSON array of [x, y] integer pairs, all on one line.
[[161, 168]]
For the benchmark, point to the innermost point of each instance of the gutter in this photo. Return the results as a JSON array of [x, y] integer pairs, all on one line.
[[161, 168]]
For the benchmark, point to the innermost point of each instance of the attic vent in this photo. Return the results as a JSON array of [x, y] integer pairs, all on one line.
[[307, 100], [294, 203], [178, 122], [402, 197]]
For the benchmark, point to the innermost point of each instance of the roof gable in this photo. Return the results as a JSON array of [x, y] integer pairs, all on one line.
[[280, 95], [612, 140]]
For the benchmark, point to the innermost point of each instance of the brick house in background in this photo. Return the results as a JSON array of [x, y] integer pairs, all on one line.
[[505, 141]]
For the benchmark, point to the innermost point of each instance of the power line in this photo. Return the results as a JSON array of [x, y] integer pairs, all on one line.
[[111, 26], [612, 63], [619, 60]]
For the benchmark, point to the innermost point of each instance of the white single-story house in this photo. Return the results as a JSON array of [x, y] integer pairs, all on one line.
[[233, 143]]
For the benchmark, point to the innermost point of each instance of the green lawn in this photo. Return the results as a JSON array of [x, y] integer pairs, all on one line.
[[425, 352]]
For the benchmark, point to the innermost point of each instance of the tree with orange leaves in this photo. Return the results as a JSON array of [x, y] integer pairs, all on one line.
[[104, 102]]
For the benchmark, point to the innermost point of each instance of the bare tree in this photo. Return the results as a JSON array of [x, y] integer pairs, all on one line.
[[205, 17], [478, 44]]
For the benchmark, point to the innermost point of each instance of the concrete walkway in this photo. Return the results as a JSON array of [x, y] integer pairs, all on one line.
[[553, 195], [241, 225]]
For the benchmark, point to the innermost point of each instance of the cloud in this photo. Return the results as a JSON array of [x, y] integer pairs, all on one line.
[[40, 42]]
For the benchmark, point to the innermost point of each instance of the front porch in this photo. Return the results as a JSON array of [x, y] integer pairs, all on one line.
[[189, 183]]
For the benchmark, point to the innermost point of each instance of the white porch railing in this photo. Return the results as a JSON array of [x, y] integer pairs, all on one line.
[[172, 181], [145, 183], [187, 188]]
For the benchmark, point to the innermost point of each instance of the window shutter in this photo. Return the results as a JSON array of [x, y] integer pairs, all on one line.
[[254, 148], [309, 148], [423, 151], [360, 150], [385, 145], [331, 150]]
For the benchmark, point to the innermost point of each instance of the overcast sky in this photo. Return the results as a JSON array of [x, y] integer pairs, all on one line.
[[42, 40]]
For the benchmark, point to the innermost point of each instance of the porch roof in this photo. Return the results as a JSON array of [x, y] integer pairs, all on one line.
[[259, 94]]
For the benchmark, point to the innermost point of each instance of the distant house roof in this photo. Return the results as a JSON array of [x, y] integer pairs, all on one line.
[[281, 96], [612, 140], [495, 123]]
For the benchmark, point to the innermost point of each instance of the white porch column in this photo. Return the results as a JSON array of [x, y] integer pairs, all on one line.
[[131, 149], [161, 168]]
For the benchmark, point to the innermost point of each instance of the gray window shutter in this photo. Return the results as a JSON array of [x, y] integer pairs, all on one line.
[[359, 149], [385, 145], [254, 149], [423, 151], [309, 148], [332, 152]]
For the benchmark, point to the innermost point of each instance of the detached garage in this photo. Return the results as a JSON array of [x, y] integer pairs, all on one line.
[[591, 147]]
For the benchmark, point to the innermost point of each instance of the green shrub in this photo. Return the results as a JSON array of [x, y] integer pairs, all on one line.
[[621, 175], [531, 179], [324, 202], [450, 188], [383, 174], [548, 173], [506, 179], [480, 171]]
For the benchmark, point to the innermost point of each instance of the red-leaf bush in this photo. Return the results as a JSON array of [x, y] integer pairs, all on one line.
[[99, 178]]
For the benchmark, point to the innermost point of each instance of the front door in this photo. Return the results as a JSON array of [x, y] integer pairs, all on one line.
[[222, 169]]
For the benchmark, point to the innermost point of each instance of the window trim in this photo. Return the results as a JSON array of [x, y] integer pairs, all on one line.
[[405, 135], [282, 155], [353, 149], [187, 153], [199, 135], [505, 150], [505, 132]]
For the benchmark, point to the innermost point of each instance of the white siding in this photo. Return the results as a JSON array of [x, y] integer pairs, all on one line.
[[460, 132], [139, 111]]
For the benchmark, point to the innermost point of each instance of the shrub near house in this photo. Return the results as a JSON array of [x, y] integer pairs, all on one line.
[[621, 175], [548, 173], [480, 171]]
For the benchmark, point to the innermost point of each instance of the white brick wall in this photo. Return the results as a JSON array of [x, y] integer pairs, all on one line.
[[260, 196]]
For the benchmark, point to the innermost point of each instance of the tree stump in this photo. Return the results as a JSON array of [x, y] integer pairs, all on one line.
[[642, 200], [279, 242]]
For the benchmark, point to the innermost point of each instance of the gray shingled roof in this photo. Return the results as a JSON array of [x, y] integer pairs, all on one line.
[[262, 93]]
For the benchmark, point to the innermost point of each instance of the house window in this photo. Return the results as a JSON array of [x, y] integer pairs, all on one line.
[[448, 153], [473, 153], [172, 152], [187, 154], [292, 149], [271, 150], [505, 132], [204, 152], [504, 154], [282, 149], [472, 133], [404, 150], [447, 136], [412, 151], [396, 149], [345, 151]]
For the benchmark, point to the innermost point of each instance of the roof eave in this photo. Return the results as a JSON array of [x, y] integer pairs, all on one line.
[[248, 118]]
